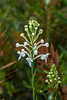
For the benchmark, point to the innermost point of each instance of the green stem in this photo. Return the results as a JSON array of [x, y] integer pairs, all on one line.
[[32, 71], [53, 94], [33, 82], [56, 97]]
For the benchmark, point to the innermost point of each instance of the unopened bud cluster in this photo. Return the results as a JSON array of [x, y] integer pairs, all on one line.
[[52, 78]]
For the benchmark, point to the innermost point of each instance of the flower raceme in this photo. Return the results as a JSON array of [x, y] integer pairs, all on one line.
[[31, 30], [52, 78]]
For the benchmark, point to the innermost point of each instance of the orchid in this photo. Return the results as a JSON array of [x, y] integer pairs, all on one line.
[[29, 61], [53, 79], [31, 46]]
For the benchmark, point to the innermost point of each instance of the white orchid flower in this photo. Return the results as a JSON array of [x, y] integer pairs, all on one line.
[[19, 45], [44, 57], [29, 61], [46, 45], [22, 54], [35, 52]]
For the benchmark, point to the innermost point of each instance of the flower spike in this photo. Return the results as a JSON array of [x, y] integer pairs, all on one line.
[[32, 26]]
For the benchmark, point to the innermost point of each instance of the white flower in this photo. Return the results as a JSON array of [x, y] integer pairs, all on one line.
[[49, 72], [50, 97], [22, 54], [29, 61], [30, 26], [30, 21], [46, 81], [22, 34], [33, 34], [35, 28], [25, 43], [42, 41], [44, 57], [17, 44], [26, 29], [59, 81], [58, 77], [18, 52], [22, 50], [35, 45], [38, 24], [55, 79], [46, 45], [41, 91], [26, 26], [48, 75], [41, 31], [52, 75], [50, 80], [35, 52]]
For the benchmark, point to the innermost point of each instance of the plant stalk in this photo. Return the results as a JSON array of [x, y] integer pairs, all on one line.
[[33, 82], [32, 71], [53, 94]]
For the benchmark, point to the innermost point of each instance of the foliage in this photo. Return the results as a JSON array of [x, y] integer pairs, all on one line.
[[14, 14]]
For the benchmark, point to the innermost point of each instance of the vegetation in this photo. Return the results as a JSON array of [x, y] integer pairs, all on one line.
[[15, 75]]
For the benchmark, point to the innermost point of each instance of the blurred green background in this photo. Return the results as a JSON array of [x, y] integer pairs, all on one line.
[[14, 14]]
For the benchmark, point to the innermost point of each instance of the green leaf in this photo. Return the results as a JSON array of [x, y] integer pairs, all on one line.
[[63, 50], [65, 2], [61, 17], [26, 84]]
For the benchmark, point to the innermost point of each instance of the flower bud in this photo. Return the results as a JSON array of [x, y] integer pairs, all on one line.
[[22, 50], [26, 26], [48, 75], [25, 43], [33, 34], [52, 75], [42, 41], [30, 21], [22, 34], [50, 80], [26, 29], [46, 81], [58, 77], [40, 30], [47, 45], [35, 28], [55, 79], [35, 52], [17, 44], [30, 26], [38, 24], [40, 91], [18, 52], [34, 43], [59, 81]]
